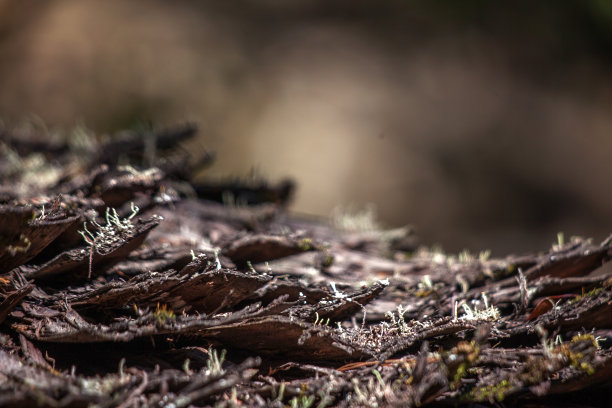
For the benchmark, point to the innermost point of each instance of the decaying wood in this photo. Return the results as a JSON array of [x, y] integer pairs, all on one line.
[[214, 295]]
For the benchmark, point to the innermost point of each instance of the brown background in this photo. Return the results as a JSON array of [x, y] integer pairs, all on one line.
[[482, 124]]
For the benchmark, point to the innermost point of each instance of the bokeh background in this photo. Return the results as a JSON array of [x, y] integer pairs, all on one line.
[[483, 124]]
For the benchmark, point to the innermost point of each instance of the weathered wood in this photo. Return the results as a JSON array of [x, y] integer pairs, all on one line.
[[134, 309]]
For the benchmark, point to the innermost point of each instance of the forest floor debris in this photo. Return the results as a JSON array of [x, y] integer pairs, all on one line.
[[122, 287]]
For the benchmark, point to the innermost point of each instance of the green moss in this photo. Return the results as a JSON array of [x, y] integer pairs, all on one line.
[[163, 314], [495, 392], [576, 358], [425, 293], [585, 337], [465, 352], [305, 244], [328, 261], [462, 370], [591, 293]]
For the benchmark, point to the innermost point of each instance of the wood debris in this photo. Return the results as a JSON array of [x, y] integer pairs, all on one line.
[[120, 286]]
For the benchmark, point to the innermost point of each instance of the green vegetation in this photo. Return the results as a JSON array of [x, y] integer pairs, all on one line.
[[215, 361], [163, 314]]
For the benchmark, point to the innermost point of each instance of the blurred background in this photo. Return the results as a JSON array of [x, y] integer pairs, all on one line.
[[482, 124]]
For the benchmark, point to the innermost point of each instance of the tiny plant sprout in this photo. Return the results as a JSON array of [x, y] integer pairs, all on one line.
[[215, 362], [217, 261], [186, 368]]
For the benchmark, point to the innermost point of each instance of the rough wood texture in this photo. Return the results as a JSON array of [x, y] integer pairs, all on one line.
[[133, 308]]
